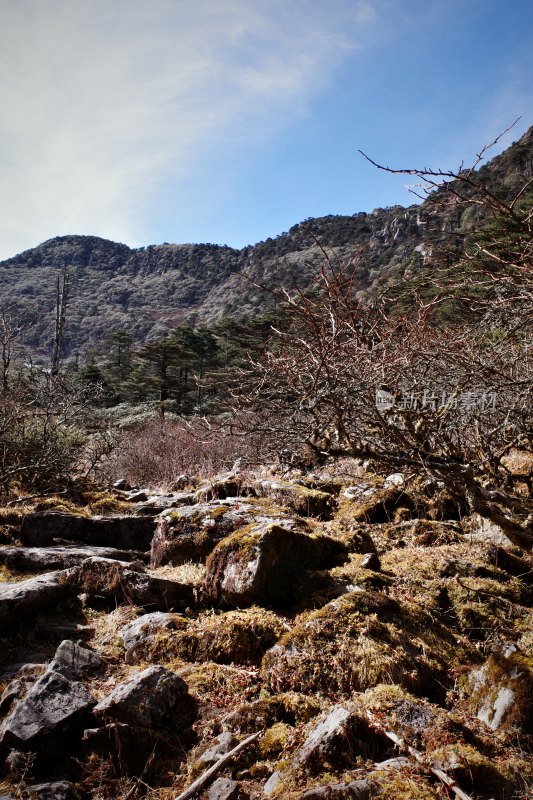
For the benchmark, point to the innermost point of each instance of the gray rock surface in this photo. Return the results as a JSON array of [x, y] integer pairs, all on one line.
[[74, 661], [146, 698], [59, 556], [120, 582], [23, 600], [223, 789], [221, 746], [331, 739], [43, 528], [356, 790], [144, 629], [49, 718], [262, 564], [60, 790]]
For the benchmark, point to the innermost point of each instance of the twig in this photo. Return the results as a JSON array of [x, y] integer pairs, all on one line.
[[417, 755], [201, 782]]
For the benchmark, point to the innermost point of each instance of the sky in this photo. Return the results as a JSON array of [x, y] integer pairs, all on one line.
[[229, 121]]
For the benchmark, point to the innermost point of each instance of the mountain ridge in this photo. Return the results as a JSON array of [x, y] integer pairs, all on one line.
[[147, 291]]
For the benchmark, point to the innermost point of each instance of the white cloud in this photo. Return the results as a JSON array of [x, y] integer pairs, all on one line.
[[103, 100]]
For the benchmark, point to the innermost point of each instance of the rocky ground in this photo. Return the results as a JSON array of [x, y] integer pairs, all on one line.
[[340, 635]]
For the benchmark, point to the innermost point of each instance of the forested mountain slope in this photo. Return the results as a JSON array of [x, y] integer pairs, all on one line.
[[148, 291]]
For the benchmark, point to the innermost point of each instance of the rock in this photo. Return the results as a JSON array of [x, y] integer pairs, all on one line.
[[383, 641], [223, 744], [331, 740], [304, 501], [147, 698], [43, 528], [60, 556], [393, 763], [371, 561], [500, 691], [261, 564], [356, 790], [222, 487], [20, 602], [138, 634], [49, 720], [120, 582], [272, 783], [480, 529], [360, 491], [61, 790], [74, 661], [191, 533], [396, 479], [223, 789], [14, 691], [122, 485], [136, 496]]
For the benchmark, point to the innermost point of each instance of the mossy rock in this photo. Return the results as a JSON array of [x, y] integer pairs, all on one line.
[[482, 606], [290, 708], [301, 499], [363, 639], [472, 770], [261, 564], [233, 637], [500, 692]]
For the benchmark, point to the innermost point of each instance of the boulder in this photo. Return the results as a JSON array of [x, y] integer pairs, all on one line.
[[74, 661], [232, 637], [139, 634], [60, 556], [355, 790], [224, 789], [120, 582], [147, 698], [43, 528], [301, 499], [500, 691], [50, 718], [61, 790], [22, 601], [332, 740], [261, 564], [361, 639], [191, 533]]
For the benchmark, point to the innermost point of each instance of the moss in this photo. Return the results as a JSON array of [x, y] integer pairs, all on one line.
[[290, 708], [362, 639], [471, 769], [484, 607], [395, 788], [233, 637], [274, 740], [512, 673]]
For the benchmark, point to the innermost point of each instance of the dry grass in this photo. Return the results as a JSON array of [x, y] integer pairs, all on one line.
[[191, 573]]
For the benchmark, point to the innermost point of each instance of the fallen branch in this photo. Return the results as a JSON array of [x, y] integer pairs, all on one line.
[[417, 755], [201, 782]]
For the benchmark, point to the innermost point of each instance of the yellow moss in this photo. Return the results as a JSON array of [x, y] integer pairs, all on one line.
[[471, 769], [274, 740], [362, 639], [394, 788]]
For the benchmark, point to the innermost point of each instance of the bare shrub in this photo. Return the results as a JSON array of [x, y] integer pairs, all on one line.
[[159, 451]]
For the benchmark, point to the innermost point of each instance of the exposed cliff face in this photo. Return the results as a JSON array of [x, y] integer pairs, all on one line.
[[149, 290]]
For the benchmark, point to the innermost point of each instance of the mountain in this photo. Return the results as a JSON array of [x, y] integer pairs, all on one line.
[[148, 291]]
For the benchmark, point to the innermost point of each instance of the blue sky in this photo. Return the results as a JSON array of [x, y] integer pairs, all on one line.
[[228, 121]]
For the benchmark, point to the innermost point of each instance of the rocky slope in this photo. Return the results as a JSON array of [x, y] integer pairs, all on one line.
[[150, 290], [305, 636]]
